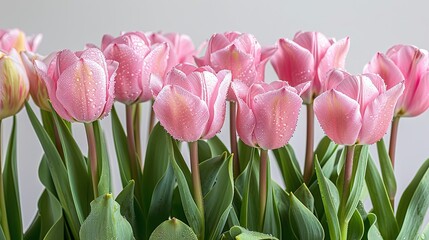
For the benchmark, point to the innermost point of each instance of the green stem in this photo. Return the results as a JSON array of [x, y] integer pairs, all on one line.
[[348, 170], [3, 220], [393, 139], [262, 187], [233, 137], [308, 166], [196, 181], [129, 111], [152, 118], [92, 156], [137, 137], [344, 228]]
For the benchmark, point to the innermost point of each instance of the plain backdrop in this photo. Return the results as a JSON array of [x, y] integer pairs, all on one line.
[[371, 25]]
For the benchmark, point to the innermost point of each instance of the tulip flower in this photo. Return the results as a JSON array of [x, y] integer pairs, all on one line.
[[80, 85], [16, 39], [309, 57], [181, 45], [14, 84]]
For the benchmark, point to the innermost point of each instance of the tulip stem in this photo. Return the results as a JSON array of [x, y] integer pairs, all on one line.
[[129, 110], [196, 181], [233, 137], [348, 170], [92, 156], [393, 139], [308, 166], [262, 187], [137, 137], [152, 118], [3, 220]]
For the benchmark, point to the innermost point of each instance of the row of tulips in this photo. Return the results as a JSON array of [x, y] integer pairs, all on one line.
[[216, 199]]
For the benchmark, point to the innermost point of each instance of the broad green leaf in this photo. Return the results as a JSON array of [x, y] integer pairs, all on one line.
[[33, 231], [209, 171], [380, 202], [77, 170], [204, 151], [51, 217], [240, 233], [217, 208], [425, 233], [177, 207], [246, 153], [372, 232], [2, 237], [193, 215], [330, 199], [173, 229], [121, 148], [58, 172], [11, 189], [216, 146], [355, 228], [105, 221], [103, 162], [282, 202], [45, 176], [289, 167], [386, 169], [415, 211], [304, 224], [272, 223], [326, 153], [181, 163], [304, 195]]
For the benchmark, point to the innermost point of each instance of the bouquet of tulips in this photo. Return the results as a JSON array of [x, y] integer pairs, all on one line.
[[217, 191]]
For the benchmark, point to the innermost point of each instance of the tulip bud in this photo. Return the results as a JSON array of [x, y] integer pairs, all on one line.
[[16, 39], [13, 84]]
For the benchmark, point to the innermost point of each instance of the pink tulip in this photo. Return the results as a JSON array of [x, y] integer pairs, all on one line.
[[192, 104], [138, 60], [80, 85], [16, 39], [238, 52], [309, 57], [13, 84], [358, 110], [181, 45], [38, 90], [268, 114], [404, 62]]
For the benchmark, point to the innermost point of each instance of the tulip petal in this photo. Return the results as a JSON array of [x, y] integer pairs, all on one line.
[[339, 116], [245, 123], [34, 42], [335, 57], [266, 54], [112, 66], [386, 68], [276, 114], [418, 101], [82, 91], [105, 41], [315, 42], [65, 59], [334, 78], [217, 42], [378, 115], [181, 113], [409, 59]]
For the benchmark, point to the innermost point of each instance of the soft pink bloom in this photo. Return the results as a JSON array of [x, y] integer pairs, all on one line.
[[192, 104], [309, 57], [13, 84], [80, 85], [267, 115], [404, 62], [240, 53], [16, 39], [38, 90], [138, 59], [181, 44], [358, 110]]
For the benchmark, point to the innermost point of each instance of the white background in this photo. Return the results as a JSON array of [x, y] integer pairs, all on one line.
[[372, 26]]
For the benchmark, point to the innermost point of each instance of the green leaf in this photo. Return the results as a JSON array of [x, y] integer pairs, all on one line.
[[380, 201], [217, 208], [103, 162], [51, 217], [289, 167], [372, 232], [240, 233], [414, 203], [193, 215], [204, 151], [33, 231], [425, 233], [105, 221], [282, 203], [173, 229], [209, 171], [272, 223], [58, 172], [304, 195], [326, 152], [2, 237], [386, 169], [45, 176], [121, 148], [304, 224], [216, 146], [330, 199], [356, 227], [11, 189], [246, 153]]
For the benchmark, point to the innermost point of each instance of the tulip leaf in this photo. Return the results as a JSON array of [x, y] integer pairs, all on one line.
[[193, 215], [33, 231], [121, 148], [246, 153], [173, 229], [380, 202], [355, 228], [11, 189], [304, 195], [425, 233], [2, 237], [282, 203], [330, 199], [217, 208], [371, 232], [240, 233], [209, 171], [103, 162], [304, 224], [272, 223], [325, 152], [51, 217], [45, 176], [414, 204], [387, 171], [216, 146], [58, 173], [105, 221], [204, 151], [289, 167]]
